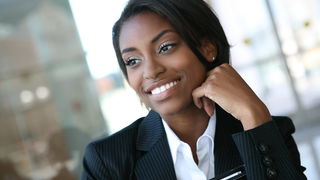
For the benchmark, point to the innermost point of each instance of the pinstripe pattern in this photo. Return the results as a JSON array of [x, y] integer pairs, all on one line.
[[157, 163], [253, 164], [225, 153], [284, 160], [141, 150]]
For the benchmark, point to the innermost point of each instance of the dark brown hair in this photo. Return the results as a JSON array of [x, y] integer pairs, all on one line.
[[193, 20]]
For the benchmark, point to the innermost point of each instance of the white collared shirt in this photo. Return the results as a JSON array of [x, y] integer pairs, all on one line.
[[184, 165]]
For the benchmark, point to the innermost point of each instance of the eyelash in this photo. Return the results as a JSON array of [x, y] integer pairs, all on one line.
[[168, 45], [128, 62], [165, 45]]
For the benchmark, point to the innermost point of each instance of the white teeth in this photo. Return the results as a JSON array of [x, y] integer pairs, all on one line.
[[156, 91], [162, 88], [167, 86]]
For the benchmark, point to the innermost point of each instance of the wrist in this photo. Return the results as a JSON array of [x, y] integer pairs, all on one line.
[[255, 116]]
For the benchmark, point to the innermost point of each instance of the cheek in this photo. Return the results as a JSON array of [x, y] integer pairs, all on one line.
[[135, 81], [197, 73]]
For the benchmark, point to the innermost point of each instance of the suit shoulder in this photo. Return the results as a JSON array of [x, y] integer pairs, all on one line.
[[112, 157], [284, 124], [119, 141]]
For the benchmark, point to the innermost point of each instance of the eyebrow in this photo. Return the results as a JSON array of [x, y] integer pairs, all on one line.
[[156, 38]]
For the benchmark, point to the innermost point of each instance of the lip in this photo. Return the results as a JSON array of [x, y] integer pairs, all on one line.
[[165, 94], [159, 83]]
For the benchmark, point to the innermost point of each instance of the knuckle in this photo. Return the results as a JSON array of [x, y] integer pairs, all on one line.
[[193, 93], [213, 77], [225, 65], [209, 86], [219, 69]]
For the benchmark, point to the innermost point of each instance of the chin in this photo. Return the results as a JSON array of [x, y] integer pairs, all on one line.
[[170, 110], [166, 113]]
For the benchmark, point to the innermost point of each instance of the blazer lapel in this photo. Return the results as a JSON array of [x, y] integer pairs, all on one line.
[[226, 154], [154, 161]]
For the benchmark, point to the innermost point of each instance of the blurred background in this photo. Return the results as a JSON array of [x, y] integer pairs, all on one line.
[[60, 85]]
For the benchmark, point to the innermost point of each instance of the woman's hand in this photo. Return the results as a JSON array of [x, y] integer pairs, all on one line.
[[225, 87]]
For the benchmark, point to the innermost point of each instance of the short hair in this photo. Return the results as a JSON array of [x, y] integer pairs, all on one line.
[[193, 20]]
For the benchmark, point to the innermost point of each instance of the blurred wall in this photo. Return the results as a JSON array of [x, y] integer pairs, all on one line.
[[49, 108]]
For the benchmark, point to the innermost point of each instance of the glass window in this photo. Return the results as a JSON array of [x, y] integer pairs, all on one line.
[[49, 106]]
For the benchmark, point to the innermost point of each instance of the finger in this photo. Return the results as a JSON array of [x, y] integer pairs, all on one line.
[[219, 69], [208, 105], [197, 94]]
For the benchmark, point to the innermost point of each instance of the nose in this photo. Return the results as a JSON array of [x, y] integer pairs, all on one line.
[[152, 68]]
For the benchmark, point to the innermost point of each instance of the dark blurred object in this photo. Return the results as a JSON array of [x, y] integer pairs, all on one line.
[[63, 146], [8, 172], [58, 149], [64, 173]]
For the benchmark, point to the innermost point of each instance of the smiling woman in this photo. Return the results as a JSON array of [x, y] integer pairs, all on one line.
[[205, 122], [156, 56]]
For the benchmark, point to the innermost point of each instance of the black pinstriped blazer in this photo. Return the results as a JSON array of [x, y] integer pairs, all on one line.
[[141, 151]]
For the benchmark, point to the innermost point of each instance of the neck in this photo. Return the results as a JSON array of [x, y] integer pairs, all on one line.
[[189, 124]]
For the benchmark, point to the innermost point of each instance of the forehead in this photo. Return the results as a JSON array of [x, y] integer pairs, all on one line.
[[142, 28]]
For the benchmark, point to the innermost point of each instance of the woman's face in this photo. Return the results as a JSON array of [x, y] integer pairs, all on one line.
[[161, 68]]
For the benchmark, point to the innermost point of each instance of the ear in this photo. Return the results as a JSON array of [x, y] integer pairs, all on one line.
[[208, 50]]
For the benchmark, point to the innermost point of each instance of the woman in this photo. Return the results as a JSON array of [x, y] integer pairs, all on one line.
[[204, 119]]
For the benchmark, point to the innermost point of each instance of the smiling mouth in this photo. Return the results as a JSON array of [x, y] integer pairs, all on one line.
[[164, 87]]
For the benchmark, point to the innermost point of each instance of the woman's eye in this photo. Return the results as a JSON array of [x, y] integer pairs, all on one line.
[[165, 47], [131, 61]]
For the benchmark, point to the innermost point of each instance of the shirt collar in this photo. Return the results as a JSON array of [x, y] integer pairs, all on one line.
[[174, 141], [211, 128]]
